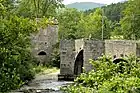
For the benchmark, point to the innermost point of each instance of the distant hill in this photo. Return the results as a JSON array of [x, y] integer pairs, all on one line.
[[84, 5]]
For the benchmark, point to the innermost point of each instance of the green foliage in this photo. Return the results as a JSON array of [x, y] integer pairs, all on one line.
[[91, 25], [55, 57], [127, 15], [15, 57], [113, 11], [16, 61], [38, 8], [130, 22], [74, 25], [108, 77], [6, 5], [117, 31], [68, 23]]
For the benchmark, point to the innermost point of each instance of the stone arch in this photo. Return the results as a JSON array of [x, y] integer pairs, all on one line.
[[42, 53], [78, 63], [121, 68]]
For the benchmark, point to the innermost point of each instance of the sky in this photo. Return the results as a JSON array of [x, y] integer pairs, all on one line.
[[96, 1]]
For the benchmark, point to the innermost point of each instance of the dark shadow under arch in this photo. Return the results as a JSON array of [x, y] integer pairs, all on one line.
[[119, 60], [78, 63], [42, 53]]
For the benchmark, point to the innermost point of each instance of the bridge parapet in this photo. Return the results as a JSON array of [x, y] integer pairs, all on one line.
[[120, 48]]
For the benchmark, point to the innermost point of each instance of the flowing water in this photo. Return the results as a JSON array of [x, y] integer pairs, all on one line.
[[44, 83]]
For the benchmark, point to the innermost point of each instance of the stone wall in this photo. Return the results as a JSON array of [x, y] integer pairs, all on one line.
[[43, 41], [138, 48], [92, 50], [67, 57], [120, 48], [69, 50]]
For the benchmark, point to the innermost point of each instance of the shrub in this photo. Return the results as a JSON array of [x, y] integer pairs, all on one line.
[[15, 56], [55, 56], [108, 77]]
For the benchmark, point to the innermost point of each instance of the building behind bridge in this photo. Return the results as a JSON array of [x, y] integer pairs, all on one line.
[[43, 42]]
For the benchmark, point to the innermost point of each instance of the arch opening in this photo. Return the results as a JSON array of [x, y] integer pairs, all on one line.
[[42, 53], [119, 60], [78, 63], [121, 63]]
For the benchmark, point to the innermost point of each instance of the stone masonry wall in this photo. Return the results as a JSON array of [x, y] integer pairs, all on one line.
[[138, 49], [120, 48], [92, 50], [67, 57], [43, 41]]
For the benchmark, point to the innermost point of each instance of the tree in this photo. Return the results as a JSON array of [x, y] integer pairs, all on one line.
[[74, 24], [15, 54], [130, 22], [92, 25], [113, 11], [6, 7], [68, 23], [38, 8]]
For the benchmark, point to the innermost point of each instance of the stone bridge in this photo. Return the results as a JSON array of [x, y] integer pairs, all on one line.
[[75, 54]]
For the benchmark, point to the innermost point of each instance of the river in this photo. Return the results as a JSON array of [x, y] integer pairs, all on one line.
[[44, 83]]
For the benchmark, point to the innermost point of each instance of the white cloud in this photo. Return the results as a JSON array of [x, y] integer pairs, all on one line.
[[96, 1]]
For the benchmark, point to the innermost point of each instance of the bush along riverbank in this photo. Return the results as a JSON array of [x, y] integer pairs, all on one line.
[[16, 62], [109, 77]]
